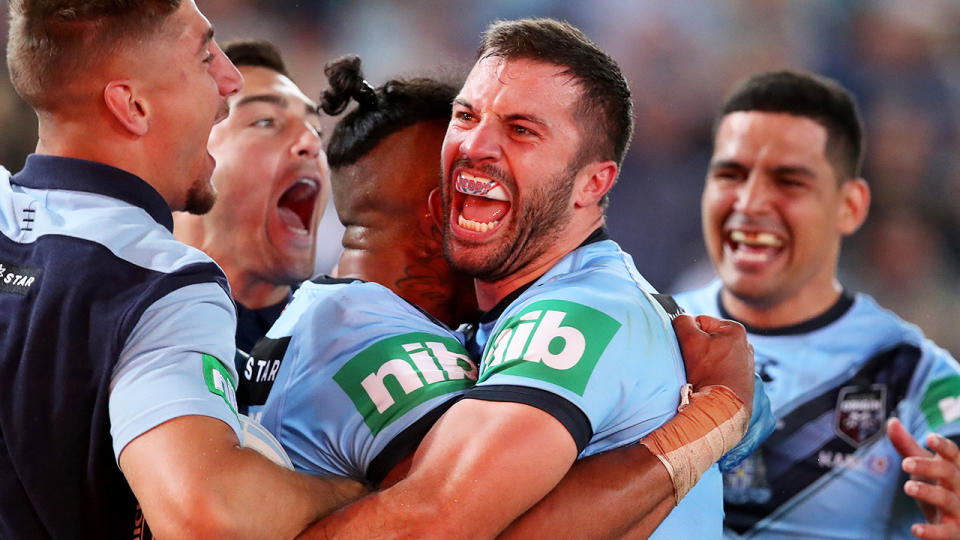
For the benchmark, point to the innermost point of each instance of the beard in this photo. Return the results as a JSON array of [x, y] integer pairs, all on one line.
[[200, 198], [537, 223]]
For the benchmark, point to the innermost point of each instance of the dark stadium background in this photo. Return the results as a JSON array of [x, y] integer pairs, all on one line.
[[901, 58]]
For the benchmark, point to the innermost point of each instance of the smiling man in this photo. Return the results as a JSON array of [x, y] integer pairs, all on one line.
[[577, 351], [272, 183], [782, 191]]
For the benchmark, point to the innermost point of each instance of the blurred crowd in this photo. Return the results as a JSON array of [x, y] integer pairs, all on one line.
[[901, 58]]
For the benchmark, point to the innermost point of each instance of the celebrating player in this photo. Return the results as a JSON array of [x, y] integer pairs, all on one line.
[[782, 190], [117, 340], [579, 355]]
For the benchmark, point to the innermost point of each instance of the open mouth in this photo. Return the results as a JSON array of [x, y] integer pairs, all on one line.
[[484, 203], [297, 204], [754, 247]]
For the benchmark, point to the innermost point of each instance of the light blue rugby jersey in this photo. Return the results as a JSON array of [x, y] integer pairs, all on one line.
[[591, 343], [351, 377], [829, 471]]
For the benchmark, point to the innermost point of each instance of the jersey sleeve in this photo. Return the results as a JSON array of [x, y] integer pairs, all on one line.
[[936, 407], [607, 367], [177, 361], [356, 398]]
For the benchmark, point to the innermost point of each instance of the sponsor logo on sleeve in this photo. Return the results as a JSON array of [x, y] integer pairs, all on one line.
[[219, 381], [392, 376], [17, 279], [860, 413], [941, 402], [552, 340]]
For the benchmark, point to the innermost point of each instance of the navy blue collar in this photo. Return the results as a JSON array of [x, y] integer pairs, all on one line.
[[54, 172]]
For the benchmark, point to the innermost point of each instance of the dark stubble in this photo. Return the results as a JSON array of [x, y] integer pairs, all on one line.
[[537, 224]]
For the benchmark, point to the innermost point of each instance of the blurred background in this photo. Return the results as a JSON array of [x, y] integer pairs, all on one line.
[[900, 57]]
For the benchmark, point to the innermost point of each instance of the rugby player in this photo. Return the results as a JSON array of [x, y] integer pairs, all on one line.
[[119, 349], [272, 185], [782, 191], [578, 354]]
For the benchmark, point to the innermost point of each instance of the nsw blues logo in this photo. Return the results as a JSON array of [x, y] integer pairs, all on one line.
[[860, 413]]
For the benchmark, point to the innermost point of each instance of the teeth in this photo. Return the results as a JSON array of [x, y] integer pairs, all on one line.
[[480, 187], [476, 226], [755, 239]]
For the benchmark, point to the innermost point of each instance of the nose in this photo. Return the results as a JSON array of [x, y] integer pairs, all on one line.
[[482, 143], [308, 143], [753, 195], [228, 77]]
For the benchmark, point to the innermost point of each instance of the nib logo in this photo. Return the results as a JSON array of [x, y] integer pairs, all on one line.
[[394, 375], [552, 340]]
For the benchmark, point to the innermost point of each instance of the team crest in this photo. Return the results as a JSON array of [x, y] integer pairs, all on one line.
[[860, 413]]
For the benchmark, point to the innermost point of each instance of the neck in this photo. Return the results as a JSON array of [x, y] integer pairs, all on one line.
[[252, 292], [421, 277], [490, 293], [796, 309], [86, 136]]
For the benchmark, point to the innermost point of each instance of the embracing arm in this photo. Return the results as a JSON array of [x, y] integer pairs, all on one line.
[[630, 489], [193, 480], [482, 465]]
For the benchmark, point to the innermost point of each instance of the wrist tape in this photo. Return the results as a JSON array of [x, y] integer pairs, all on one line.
[[708, 424]]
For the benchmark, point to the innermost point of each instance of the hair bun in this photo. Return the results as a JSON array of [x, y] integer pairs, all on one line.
[[346, 82]]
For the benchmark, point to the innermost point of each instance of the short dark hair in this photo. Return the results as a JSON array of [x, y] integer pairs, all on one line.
[[380, 111], [255, 53], [52, 41], [605, 108], [812, 96]]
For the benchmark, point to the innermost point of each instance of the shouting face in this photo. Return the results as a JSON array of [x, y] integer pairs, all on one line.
[[509, 166]]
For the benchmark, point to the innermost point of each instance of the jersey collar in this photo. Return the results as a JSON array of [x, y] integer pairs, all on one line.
[[54, 172], [494, 313], [834, 312]]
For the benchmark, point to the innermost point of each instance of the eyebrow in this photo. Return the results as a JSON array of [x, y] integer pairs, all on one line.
[[726, 164], [279, 101], [783, 169], [265, 98], [534, 119]]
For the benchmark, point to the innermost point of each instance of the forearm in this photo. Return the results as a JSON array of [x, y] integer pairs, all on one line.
[[292, 500], [194, 481], [481, 466], [603, 496]]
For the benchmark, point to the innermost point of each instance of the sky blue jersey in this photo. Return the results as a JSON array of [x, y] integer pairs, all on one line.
[[829, 471], [351, 377], [591, 343]]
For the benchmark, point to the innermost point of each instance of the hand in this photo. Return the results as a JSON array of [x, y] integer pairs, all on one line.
[[716, 351], [934, 482]]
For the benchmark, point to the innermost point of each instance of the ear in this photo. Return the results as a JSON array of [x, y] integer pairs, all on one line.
[[435, 204], [600, 177], [855, 206], [127, 107]]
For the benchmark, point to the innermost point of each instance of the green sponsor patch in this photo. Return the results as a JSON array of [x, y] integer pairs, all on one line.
[[941, 402], [219, 381], [552, 340], [394, 375]]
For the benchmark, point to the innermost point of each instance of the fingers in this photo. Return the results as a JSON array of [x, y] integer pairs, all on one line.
[[942, 498], [685, 327], [905, 444], [946, 531], [933, 469], [944, 447], [713, 325]]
